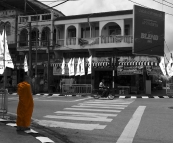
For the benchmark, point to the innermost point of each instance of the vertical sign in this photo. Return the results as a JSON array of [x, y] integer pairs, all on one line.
[[149, 31]]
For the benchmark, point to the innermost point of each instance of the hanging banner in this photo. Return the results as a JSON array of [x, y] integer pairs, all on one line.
[[162, 66], [149, 31], [63, 66], [82, 67], [78, 70], [89, 65], [25, 64], [69, 66], [169, 68], [8, 60]]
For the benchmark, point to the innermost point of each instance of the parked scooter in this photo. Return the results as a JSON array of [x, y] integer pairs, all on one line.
[[104, 93]]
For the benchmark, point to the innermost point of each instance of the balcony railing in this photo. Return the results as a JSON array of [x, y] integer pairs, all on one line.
[[116, 39], [82, 41], [60, 42], [71, 41], [128, 39], [44, 43], [33, 43], [111, 39], [29, 18], [23, 43]]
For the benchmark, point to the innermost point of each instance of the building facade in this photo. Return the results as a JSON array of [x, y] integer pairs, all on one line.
[[107, 37]]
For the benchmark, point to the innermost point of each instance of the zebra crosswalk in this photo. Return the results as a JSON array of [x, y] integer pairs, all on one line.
[[89, 115]]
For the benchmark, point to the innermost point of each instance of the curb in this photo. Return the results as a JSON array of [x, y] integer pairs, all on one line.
[[125, 96], [35, 134]]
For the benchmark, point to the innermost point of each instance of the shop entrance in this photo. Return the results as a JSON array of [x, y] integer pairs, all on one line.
[[106, 75]]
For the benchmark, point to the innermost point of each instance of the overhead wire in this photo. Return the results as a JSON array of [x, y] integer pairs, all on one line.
[[168, 2], [151, 8], [147, 7]]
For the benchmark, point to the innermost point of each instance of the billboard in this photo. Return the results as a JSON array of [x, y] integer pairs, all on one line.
[[149, 31]]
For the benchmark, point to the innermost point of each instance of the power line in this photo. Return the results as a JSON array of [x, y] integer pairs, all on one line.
[[146, 6], [57, 0], [162, 3], [168, 2]]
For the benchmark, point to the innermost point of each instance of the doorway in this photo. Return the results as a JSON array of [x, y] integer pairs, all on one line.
[[106, 75]]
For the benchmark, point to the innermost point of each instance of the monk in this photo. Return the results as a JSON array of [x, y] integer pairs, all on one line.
[[25, 104]]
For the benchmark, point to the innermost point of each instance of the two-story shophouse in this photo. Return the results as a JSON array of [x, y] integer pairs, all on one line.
[[107, 37], [9, 12]]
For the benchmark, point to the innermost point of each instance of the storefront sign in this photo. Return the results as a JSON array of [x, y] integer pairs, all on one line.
[[151, 70], [130, 70], [149, 31]]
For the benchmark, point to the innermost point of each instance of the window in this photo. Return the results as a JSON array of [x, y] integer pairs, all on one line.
[[8, 28], [114, 30], [72, 33], [127, 29]]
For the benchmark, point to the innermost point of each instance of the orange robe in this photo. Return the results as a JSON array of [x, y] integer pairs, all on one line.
[[25, 105]]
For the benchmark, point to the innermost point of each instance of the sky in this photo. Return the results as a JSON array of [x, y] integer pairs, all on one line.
[[77, 7]]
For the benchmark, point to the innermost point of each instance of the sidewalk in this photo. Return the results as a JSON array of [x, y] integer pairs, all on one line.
[[8, 133]]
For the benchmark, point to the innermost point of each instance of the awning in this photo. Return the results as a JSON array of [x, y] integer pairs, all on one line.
[[94, 64], [100, 64], [138, 63]]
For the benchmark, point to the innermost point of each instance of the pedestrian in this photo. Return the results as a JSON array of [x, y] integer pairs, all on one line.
[[25, 104]]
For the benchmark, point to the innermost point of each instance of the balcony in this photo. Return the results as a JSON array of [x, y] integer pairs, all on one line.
[[60, 42], [36, 18], [71, 41]]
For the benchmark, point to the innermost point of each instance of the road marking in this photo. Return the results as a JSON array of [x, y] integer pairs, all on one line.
[[83, 118], [98, 110], [78, 126], [156, 97], [133, 97], [145, 97], [85, 113], [83, 99], [62, 100], [107, 105], [99, 107], [132, 126], [121, 96], [108, 102]]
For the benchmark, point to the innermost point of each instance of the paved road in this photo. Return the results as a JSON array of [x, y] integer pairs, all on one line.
[[79, 119]]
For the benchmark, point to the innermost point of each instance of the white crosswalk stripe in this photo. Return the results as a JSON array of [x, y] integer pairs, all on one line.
[[100, 112]]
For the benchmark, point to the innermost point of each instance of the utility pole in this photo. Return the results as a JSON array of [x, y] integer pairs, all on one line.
[[36, 58], [5, 74], [48, 65], [30, 51]]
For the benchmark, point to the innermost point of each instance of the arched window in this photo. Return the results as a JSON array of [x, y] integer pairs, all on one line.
[[24, 38], [35, 36], [1, 27], [8, 28], [45, 36]]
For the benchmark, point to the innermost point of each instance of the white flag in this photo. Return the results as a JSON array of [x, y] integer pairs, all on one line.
[[63, 66], [25, 64], [1, 55], [78, 71], [1, 67], [82, 67], [69, 66], [169, 68], [89, 64], [1, 46], [8, 60], [162, 66], [72, 67]]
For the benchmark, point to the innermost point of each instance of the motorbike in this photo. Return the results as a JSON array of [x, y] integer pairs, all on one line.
[[104, 93]]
